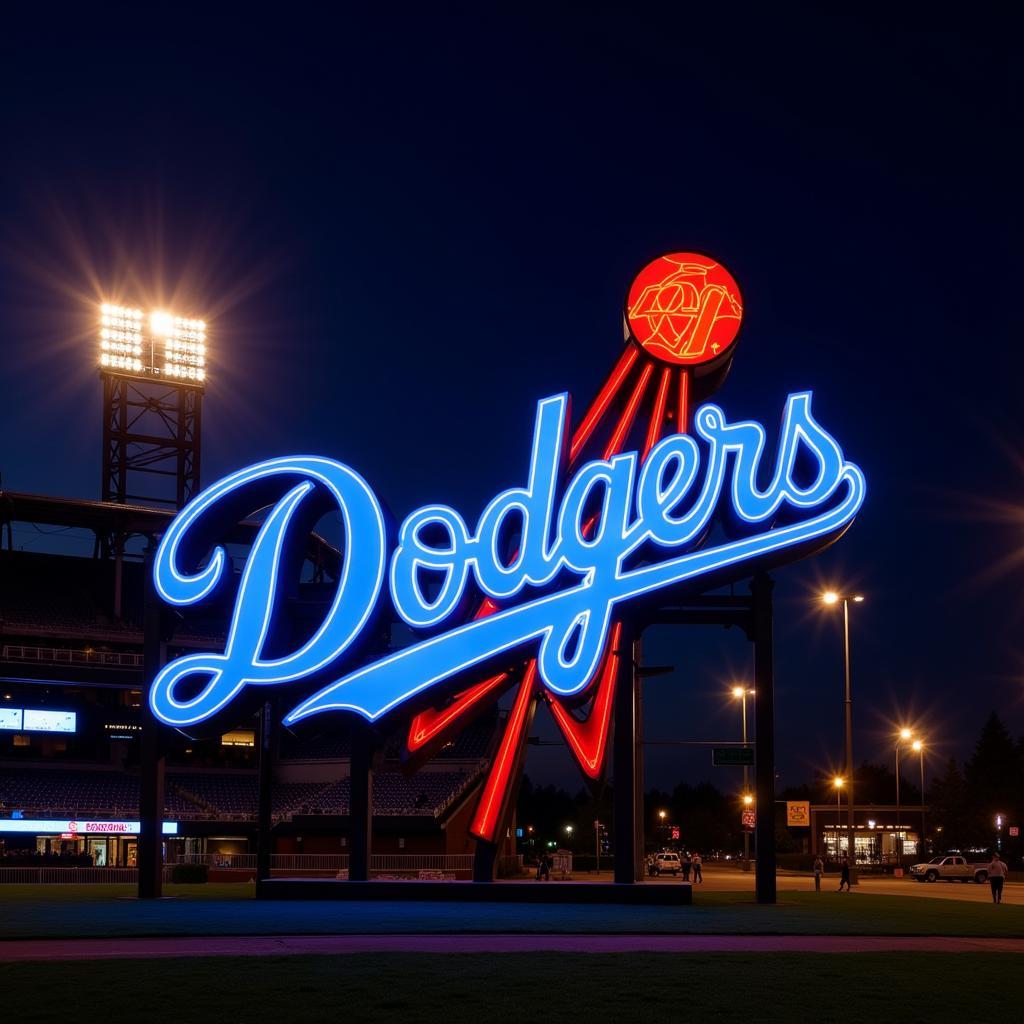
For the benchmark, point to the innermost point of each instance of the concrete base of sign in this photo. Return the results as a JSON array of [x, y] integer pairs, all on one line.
[[675, 894]]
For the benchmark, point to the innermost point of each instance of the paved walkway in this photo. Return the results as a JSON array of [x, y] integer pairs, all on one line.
[[291, 945]]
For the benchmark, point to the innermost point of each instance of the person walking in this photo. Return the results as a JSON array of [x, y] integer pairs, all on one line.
[[844, 875], [698, 869], [544, 868], [819, 867], [996, 875], [687, 864]]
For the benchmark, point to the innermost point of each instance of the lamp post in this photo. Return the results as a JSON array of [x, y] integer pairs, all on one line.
[[918, 746], [830, 598], [740, 693], [837, 783], [904, 735]]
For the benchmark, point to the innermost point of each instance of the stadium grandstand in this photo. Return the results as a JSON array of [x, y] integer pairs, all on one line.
[[71, 691]]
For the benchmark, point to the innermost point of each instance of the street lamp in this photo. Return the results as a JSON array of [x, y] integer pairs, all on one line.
[[837, 784], [903, 736], [918, 747], [661, 815], [831, 597], [740, 693]]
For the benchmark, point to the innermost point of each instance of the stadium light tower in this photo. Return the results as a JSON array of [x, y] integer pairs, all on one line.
[[153, 368]]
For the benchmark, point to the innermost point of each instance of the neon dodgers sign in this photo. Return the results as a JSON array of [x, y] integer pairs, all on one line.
[[548, 568], [656, 503]]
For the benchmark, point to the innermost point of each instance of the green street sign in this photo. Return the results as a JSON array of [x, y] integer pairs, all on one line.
[[726, 757]]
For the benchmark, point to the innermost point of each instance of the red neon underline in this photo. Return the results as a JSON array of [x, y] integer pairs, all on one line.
[[629, 413], [485, 822], [684, 400], [588, 739], [600, 404], [658, 415], [427, 724]]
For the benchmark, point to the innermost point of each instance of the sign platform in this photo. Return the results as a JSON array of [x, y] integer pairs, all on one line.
[[641, 894]]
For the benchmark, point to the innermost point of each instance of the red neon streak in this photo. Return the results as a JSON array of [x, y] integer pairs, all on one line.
[[684, 401], [629, 413], [604, 397], [589, 739], [485, 820], [658, 415], [427, 724]]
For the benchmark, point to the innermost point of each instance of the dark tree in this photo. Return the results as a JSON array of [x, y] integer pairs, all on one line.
[[951, 824], [995, 778]]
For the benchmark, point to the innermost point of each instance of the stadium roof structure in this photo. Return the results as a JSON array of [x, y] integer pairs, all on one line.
[[108, 518]]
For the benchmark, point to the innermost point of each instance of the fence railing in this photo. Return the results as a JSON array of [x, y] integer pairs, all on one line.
[[65, 656], [69, 876]]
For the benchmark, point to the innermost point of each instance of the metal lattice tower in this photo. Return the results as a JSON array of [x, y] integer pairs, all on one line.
[[152, 441], [153, 371]]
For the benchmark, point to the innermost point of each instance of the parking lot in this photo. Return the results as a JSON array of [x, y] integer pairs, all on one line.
[[730, 879]]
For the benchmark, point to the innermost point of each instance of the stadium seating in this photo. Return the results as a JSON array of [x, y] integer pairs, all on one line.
[[70, 793], [220, 796]]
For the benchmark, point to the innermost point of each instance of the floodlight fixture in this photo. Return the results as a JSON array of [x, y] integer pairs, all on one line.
[[158, 345]]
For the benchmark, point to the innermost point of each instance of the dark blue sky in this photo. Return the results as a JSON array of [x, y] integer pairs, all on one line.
[[404, 231]]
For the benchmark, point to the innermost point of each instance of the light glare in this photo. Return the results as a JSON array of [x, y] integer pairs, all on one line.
[[173, 346]]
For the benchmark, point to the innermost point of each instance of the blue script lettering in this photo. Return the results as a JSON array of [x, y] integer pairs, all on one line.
[[620, 532]]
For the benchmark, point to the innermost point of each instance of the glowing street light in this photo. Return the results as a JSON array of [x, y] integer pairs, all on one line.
[[831, 598], [662, 815], [904, 736], [747, 799], [918, 747], [740, 693], [837, 784]]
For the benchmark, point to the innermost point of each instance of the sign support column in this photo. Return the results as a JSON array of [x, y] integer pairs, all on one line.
[[264, 821], [764, 749], [151, 782], [360, 808], [624, 763]]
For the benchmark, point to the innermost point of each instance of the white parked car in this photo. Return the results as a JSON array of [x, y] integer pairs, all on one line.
[[665, 864], [949, 869]]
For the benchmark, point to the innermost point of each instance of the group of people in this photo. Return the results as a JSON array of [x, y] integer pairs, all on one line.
[[692, 863]]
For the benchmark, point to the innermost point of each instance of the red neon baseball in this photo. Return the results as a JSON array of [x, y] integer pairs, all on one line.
[[685, 309]]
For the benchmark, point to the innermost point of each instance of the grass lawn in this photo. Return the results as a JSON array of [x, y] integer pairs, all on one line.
[[904, 987], [94, 911]]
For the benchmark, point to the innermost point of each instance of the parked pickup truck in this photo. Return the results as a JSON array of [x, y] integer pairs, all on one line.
[[664, 863], [949, 869]]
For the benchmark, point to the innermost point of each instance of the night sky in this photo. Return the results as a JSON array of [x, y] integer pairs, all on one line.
[[404, 231]]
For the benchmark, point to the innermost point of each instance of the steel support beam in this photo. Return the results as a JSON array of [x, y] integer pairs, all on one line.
[[360, 806], [151, 782], [624, 762], [764, 749], [265, 792]]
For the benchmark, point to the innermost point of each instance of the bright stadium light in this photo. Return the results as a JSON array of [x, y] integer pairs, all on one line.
[[158, 345]]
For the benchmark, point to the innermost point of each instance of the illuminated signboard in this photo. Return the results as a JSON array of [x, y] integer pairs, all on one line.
[[55, 826], [37, 720], [49, 721], [10, 718], [649, 497]]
